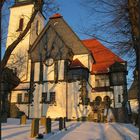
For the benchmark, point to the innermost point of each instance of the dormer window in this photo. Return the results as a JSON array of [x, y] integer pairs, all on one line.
[[21, 22]]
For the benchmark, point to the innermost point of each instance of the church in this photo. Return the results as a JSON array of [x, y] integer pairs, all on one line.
[[61, 75]]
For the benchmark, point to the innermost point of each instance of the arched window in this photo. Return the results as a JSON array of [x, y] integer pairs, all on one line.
[[107, 100], [119, 98], [98, 100], [21, 23]]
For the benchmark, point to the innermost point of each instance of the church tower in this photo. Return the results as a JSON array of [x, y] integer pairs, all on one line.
[[20, 14]]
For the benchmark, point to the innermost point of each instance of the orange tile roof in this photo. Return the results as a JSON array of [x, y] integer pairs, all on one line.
[[103, 56], [76, 64], [57, 15]]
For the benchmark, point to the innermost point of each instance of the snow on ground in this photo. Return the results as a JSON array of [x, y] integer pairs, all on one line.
[[75, 131]]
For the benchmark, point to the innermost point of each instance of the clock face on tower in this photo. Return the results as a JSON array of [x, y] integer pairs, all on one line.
[[49, 61]]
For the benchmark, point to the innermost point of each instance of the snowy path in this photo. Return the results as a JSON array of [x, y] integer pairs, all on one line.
[[75, 131]]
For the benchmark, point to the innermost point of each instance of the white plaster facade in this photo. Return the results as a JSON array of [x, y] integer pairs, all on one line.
[[21, 51]]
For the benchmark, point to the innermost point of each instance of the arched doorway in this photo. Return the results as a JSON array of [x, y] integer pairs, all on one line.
[[107, 101], [98, 100]]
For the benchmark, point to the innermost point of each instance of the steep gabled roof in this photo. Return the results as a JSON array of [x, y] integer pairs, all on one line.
[[104, 58], [63, 30], [76, 64]]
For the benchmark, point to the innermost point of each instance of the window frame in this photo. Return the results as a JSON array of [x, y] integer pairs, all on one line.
[[119, 98], [26, 96], [44, 98], [19, 96], [21, 24], [52, 99]]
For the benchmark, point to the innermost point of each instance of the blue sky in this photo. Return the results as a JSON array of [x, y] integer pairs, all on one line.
[[74, 14]]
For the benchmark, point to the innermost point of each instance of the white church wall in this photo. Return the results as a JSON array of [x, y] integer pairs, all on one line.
[[15, 14], [36, 71], [37, 99], [48, 73], [59, 108], [90, 61], [28, 70], [14, 96], [75, 110], [91, 80], [61, 70], [52, 110], [84, 59], [36, 28], [21, 51], [22, 107]]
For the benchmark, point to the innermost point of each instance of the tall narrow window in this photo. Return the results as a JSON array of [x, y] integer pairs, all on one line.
[[119, 98], [19, 98], [56, 72], [52, 97], [21, 21], [41, 70], [44, 97], [37, 27], [26, 97]]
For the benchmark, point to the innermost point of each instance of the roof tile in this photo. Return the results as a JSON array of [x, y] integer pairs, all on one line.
[[103, 56]]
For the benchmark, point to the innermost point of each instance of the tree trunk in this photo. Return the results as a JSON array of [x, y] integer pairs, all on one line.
[[1, 4], [134, 14]]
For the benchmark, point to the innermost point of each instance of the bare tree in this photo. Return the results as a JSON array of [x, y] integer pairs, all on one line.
[[134, 14], [120, 21], [19, 63]]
